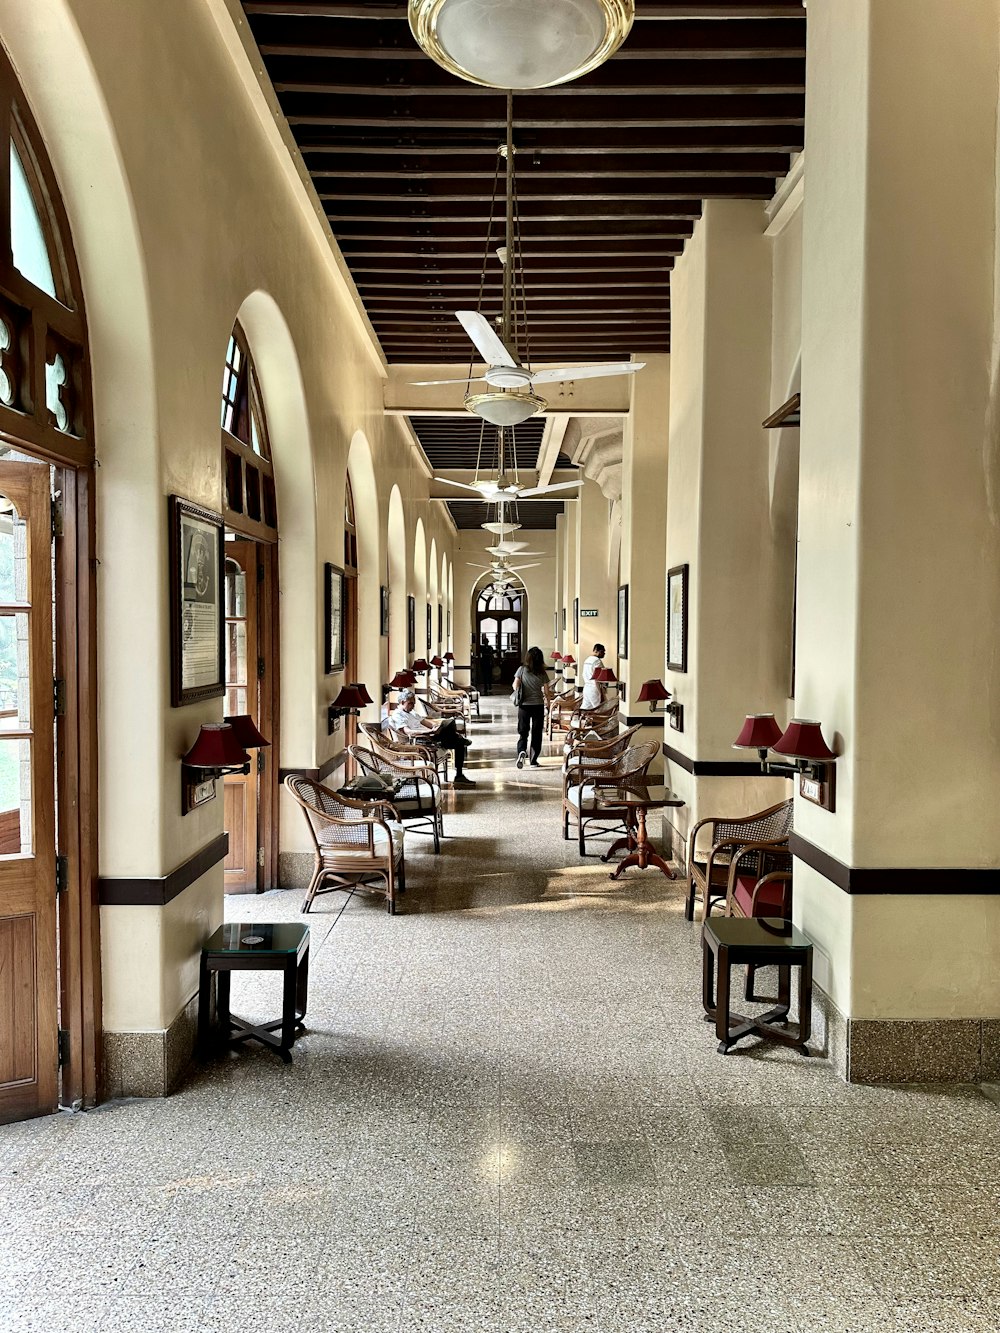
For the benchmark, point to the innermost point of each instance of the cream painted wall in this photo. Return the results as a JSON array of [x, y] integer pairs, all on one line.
[[178, 230]]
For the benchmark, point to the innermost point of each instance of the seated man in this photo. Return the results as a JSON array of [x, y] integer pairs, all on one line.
[[443, 732]]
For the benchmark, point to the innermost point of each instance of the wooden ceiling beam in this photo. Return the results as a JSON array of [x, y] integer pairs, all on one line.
[[601, 139], [470, 261], [623, 213], [742, 166], [745, 187]]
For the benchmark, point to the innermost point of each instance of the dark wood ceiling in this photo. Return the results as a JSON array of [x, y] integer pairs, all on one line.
[[535, 514], [704, 100]]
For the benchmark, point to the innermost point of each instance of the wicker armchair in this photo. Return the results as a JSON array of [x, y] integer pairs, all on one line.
[[596, 753], [444, 702], [561, 709], [354, 841], [708, 874], [466, 694], [602, 720], [406, 748], [419, 799], [760, 884], [579, 801]]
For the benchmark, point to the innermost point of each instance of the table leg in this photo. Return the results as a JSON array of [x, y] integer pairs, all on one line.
[[722, 1000], [644, 854], [289, 992], [707, 977], [204, 1005], [626, 844], [302, 986], [222, 999], [805, 1000]]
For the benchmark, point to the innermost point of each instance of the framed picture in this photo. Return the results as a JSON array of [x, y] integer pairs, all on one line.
[[576, 620], [336, 615], [383, 613], [677, 618], [623, 620], [564, 619], [411, 624], [197, 619], [430, 623], [440, 624]]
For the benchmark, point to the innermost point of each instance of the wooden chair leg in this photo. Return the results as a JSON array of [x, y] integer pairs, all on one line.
[[314, 884], [580, 836]]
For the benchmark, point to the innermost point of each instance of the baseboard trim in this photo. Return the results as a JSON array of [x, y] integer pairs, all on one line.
[[939, 881]]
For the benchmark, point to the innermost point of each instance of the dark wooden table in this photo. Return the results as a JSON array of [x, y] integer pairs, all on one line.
[[635, 798], [760, 941], [241, 947]]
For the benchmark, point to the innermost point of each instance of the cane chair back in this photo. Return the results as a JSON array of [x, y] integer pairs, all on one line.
[[561, 709], [353, 841], [418, 799], [597, 752], [580, 782], [713, 843]]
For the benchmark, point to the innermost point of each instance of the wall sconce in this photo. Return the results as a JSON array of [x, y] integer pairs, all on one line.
[[421, 665], [802, 741], [654, 692], [437, 663], [449, 658], [215, 753], [606, 676], [402, 680], [348, 703], [568, 663]]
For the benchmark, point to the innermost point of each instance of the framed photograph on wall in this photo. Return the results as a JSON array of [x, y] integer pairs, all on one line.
[[383, 611], [411, 624], [440, 624], [335, 617], [576, 620], [197, 618], [677, 618], [430, 623], [564, 619], [623, 620]]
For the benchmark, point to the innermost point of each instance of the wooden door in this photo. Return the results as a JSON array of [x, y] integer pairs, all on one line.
[[29, 1022], [243, 659]]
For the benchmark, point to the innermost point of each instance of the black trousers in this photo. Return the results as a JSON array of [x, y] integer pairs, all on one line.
[[530, 716], [448, 737]]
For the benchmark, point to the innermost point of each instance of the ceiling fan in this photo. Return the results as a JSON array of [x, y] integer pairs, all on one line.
[[509, 399]]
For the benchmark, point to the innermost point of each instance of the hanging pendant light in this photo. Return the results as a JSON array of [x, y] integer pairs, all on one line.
[[520, 43]]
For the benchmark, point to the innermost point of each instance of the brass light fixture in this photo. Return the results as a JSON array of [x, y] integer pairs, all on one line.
[[520, 43]]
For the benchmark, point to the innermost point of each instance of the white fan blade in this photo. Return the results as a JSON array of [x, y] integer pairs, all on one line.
[[544, 490], [463, 485], [426, 384], [472, 565], [516, 569], [587, 372], [488, 345]]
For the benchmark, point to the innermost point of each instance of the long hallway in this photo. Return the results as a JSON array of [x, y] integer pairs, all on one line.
[[507, 1114]]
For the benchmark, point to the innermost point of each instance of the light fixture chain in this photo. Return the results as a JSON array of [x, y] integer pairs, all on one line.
[[486, 260], [508, 268]]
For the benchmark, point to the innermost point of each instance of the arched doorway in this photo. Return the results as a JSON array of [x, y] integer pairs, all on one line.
[[250, 800], [500, 614], [396, 551], [49, 946]]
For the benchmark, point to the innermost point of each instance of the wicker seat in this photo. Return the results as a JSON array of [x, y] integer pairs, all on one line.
[[708, 874], [596, 752], [354, 841], [419, 799], [603, 720], [466, 694], [579, 801], [444, 702], [407, 748], [561, 709]]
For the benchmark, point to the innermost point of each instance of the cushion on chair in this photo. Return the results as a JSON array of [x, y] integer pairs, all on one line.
[[328, 841], [410, 791], [769, 900], [587, 792]]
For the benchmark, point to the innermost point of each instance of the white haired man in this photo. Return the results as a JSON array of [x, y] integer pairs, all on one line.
[[441, 731]]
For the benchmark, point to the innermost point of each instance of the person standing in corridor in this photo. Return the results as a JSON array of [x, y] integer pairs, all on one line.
[[531, 687], [486, 666]]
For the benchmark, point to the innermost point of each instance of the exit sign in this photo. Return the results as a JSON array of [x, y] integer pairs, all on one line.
[[592, 613]]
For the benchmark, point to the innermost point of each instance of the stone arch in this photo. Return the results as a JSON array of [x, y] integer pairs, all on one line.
[[420, 588], [396, 552], [361, 471], [783, 493]]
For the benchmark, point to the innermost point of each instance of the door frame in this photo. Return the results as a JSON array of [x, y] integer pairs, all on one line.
[[268, 633]]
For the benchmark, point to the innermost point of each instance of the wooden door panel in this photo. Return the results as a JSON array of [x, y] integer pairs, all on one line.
[[29, 1035], [235, 805], [240, 790]]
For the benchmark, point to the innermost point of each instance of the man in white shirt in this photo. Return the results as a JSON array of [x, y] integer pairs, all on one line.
[[593, 691], [437, 731]]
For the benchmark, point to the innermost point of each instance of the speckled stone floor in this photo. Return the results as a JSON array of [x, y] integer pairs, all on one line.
[[507, 1116]]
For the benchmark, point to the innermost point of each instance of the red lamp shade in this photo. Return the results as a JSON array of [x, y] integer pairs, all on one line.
[[421, 664], [349, 697], [568, 660], [759, 732], [803, 740], [653, 691], [216, 747], [557, 657], [449, 657], [437, 662], [401, 680], [604, 675], [245, 731], [362, 690]]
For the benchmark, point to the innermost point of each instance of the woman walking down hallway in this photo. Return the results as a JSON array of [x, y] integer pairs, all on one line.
[[531, 690]]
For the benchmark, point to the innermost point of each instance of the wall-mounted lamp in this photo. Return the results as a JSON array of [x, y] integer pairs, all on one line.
[[654, 692], [215, 753], [421, 665], [348, 703], [606, 676], [437, 663], [568, 663], [449, 664], [814, 763], [402, 680]]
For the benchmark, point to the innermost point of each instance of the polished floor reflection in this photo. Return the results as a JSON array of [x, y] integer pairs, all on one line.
[[507, 1116]]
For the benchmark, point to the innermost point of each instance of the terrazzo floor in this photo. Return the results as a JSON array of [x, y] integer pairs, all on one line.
[[507, 1115]]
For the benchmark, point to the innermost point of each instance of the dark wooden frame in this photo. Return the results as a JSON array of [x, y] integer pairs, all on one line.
[[249, 500], [576, 621], [623, 620], [430, 625], [334, 654], [178, 510], [411, 624], [383, 611], [677, 652]]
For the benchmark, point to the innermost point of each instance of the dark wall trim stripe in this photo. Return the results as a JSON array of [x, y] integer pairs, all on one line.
[[715, 768], [160, 890], [940, 881], [320, 774], [642, 720]]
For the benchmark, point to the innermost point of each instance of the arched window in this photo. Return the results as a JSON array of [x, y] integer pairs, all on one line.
[[44, 372], [493, 598], [250, 506]]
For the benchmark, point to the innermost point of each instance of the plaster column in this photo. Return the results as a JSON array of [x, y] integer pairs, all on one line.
[[718, 516], [569, 579], [899, 553], [593, 586]]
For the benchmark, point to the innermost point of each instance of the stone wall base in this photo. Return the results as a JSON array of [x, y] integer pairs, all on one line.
[[893, 1050], [295, 869], [150, 1064]]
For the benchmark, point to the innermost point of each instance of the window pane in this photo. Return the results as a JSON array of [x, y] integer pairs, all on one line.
[[236, 590], [236, 701], [55, 378], [236, 652], [27, 239], [15, 689], [15, 797], [13, 554]]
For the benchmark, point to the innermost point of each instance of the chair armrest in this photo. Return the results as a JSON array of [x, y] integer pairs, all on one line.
[[693, 836], [776, 876], [743, 849]]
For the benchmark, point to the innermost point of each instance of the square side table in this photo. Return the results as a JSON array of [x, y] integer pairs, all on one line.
[[761, 941], [249, 947]]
